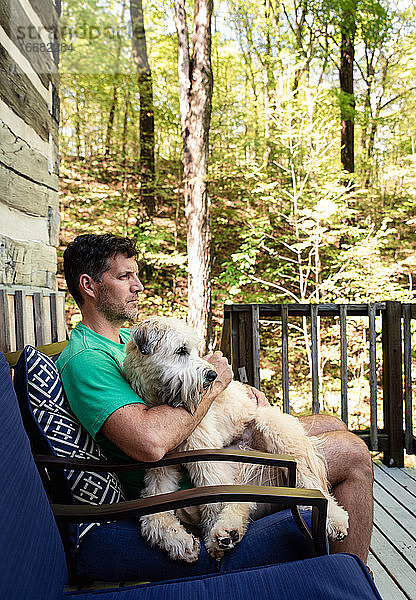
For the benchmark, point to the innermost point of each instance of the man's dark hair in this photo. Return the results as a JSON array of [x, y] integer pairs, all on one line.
[[90, 253]]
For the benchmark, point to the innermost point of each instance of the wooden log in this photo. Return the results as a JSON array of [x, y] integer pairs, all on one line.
[[25, 34], [18, 155], [47, 14], [22, 97], [23, 194], [44, 7], [393, 383]]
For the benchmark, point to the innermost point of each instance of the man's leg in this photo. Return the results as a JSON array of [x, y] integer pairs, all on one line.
[[350, 473]]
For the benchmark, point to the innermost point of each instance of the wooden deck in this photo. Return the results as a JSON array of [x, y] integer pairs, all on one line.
[[393, 543]]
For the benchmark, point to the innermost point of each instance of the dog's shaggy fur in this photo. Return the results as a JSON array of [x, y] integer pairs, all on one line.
[[162, 365]]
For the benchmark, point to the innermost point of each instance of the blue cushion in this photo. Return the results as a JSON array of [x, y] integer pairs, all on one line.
[[335, 577], [32, 557], [54, 430], [116, 551]]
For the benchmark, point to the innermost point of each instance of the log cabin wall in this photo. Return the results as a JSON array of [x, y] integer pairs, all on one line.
[[30, 307], [29, 118]]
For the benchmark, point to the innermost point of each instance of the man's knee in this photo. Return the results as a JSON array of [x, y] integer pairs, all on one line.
[[360, 457], [319, 424], [348, 457]]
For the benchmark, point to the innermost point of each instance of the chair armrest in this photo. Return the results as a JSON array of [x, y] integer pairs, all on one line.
[[174, 458], [283, 496]]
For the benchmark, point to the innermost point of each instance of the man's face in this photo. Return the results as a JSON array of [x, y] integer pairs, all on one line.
[[116, 294]]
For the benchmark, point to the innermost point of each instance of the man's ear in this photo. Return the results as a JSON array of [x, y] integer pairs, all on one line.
[[87, 285]]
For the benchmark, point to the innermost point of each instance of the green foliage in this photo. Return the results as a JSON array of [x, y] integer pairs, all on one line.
[[287, 223]]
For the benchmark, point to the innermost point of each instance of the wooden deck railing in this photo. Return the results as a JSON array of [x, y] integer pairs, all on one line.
[[30, 316], [240, 342]]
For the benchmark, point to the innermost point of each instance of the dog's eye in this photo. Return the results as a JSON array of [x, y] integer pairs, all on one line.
[[183, 351]]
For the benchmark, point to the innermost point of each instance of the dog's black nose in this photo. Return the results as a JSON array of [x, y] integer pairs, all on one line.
[[211, 376]]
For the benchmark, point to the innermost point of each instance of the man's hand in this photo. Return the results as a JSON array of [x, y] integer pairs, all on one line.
[[224, 372], [257, 395]]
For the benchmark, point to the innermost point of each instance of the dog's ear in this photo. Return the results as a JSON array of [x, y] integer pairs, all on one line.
[[176, 398], [173, 397], [146, 336], [177, 401]]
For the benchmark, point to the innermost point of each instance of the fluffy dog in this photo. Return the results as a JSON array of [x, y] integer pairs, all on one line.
[[163, 366]]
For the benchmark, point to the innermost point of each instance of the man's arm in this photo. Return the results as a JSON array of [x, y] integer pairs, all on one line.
[[148, 433]]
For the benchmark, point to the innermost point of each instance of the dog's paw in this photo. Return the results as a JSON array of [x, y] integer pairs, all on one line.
[[222, 539], [164, 531], [337, 523], [183, 546]]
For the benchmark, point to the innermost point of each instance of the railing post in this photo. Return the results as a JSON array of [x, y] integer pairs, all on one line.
[[5, 342], [245, 344], [38, 318], [285, 356], [408, 404], [255, 344], [225, 343], [20, 317], [393, 384]]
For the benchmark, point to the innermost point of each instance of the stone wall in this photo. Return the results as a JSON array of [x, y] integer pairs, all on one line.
[[29, 117]]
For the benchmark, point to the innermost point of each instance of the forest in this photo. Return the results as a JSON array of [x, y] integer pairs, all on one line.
[[258, 151]]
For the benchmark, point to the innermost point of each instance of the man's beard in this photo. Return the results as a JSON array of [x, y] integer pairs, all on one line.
[[113, 312]]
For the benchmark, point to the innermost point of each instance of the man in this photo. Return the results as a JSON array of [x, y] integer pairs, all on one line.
[[101, 274]]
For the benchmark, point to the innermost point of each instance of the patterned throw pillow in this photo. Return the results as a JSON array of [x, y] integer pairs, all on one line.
[[41, 398]]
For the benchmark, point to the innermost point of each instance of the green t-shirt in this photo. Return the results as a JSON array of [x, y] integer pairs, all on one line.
[[90, 367]]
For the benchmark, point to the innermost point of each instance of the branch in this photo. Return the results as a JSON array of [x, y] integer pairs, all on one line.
[[274, 285], [397, 97]]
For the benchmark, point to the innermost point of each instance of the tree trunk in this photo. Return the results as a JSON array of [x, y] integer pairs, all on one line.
[[346, 79], [124, 189], [110, 122], [195, 95], [125, 129], [147, 121], [77, 126], [269, 85], [111, 113]]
